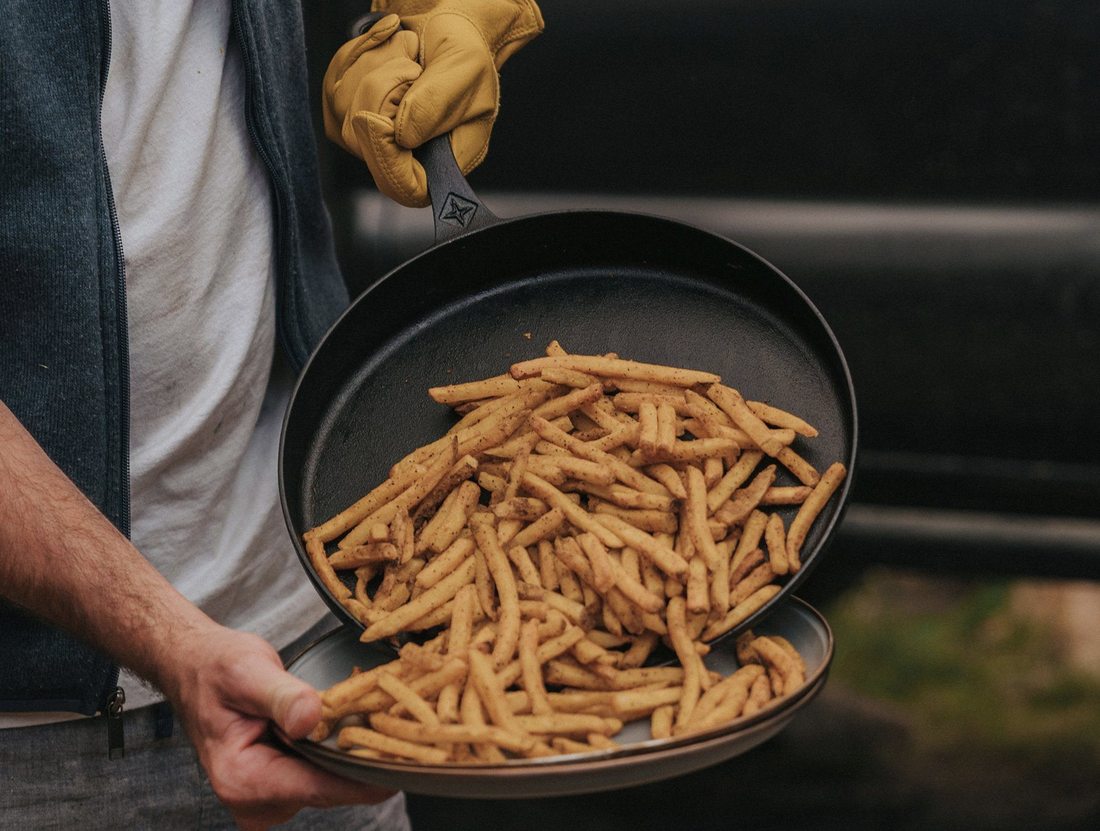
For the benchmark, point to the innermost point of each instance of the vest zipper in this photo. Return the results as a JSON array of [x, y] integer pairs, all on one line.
[[116, 731], [112, 706]]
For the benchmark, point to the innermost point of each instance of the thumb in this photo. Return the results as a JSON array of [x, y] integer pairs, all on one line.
[[267, 690], [395, 171], [294, 706]]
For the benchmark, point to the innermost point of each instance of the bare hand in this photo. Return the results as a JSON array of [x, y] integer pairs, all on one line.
[[228, 686]]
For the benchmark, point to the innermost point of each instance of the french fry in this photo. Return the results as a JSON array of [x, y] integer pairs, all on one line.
[[585, 450], [744, 502], [525, 567], [698, 586], [447, 561], [531, 668], [633, 590], [745, 566], [615, 368], [439, 535], [343, 693], [524, 508], [626, 497], [495, 387], [460, 472], [695, 517], [486, 420], [646, 387], [483, 584], [760, 576], [760, 693], [644, 519], [355, 514], [785, 495], [667, 476], [632, 402], [698, 450], [500, 569], [808, 511], [776, 538], [603, 578], [472, 715], [574, 513], [781, 418], [713, 470], [741, 612], [802, 469], [437, 595], [355, 737], [490, 690], [458, 641], [689, 660], [315, 548], [660, 722], [567, 466], [647, 426], [777, 656], [447, 733], [639, 651], [571, 724], [736, 476], [408, 498], [626, 433], [565, 404], [732, 702], [750, 537], [734, 406], [662, 556], [567, 377], [361, 555], [545, 526], [406, 699], [548, 573], [740, 680], [666, 428]]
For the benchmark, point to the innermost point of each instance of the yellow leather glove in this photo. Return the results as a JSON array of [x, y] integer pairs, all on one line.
[[427, 68]]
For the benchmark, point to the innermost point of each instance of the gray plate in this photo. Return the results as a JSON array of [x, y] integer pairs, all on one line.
[[639, 760]]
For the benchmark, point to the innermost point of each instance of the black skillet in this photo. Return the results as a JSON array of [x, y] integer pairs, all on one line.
[[493, 291]]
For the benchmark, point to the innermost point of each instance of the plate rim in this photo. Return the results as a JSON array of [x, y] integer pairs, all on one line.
[[590, 760]]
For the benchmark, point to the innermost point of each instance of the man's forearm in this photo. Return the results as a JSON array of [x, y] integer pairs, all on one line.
[[63, 561]]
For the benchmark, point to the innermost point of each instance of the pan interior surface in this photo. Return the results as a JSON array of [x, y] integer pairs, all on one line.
[[647, 289]]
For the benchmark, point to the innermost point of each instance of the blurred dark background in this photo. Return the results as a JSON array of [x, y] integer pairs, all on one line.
[[929, 174]]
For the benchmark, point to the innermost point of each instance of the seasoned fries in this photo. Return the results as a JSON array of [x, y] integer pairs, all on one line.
[[584, 510]]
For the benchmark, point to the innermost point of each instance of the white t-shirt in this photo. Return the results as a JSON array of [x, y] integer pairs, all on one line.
[[207, 395]]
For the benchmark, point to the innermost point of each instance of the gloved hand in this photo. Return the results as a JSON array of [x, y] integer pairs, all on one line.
[[428, 68]]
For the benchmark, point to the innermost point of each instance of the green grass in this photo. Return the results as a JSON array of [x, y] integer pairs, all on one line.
[[975, 680]]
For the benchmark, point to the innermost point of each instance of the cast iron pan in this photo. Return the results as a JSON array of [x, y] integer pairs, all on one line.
[[494, 291]]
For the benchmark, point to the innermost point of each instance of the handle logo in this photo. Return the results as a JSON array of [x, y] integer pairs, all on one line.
[[457, 210]]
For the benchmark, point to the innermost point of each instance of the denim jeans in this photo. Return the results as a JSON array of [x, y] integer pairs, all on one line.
[[58, 776]]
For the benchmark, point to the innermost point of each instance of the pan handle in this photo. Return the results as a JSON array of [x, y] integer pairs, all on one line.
[[456, 209]]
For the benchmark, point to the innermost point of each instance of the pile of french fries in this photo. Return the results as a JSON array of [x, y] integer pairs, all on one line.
[[584, 511]]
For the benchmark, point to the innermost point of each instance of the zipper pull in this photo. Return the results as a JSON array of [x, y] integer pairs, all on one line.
[[116, 733]]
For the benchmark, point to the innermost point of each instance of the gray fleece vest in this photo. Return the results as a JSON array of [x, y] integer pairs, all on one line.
[[64, 367]]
